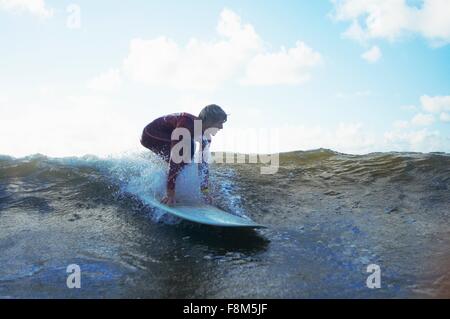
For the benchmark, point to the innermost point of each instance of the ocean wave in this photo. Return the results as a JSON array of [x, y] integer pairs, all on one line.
[[136, 177]]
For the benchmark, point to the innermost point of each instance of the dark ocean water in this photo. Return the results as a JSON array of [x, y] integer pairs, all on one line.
[[329, 216]]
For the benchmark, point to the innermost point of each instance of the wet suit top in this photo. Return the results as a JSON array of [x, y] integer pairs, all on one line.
[[157, 136]]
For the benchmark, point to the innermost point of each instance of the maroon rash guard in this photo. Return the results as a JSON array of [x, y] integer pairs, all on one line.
[[157, 137]]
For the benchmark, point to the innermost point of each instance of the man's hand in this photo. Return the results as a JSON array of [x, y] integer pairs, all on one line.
[[169, 199]]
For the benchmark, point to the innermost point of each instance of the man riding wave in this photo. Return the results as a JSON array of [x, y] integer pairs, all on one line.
[[160, 137]]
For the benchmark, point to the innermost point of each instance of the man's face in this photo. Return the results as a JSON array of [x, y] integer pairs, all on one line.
[[218, 125], [214, 127]]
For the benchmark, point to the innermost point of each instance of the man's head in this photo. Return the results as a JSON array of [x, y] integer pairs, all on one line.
[[212, 116]]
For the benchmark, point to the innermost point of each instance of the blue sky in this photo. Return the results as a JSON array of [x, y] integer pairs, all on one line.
[[294, 68]]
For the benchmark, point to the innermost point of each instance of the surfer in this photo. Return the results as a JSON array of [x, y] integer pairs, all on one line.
[[157, 137]]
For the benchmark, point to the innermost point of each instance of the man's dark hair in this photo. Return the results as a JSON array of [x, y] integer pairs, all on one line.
[[213, 113]]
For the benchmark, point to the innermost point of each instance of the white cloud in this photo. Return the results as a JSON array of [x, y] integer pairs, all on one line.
[[417, 140], [284, 67], [400, 124], [372, 55], [445, 117], [108, 81], [435, 104], [351, 138], [34, 7], [421, 119], [434, 21], [198, 65], [206, 65], [422, 140], [74, 126], [3, 100], [392, 19], [345, 137], [355, 32], [46, 90]]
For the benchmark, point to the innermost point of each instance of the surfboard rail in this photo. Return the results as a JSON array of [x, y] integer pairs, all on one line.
[[206, 214]]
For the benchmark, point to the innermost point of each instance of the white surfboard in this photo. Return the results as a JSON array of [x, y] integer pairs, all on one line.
[[206, 214]]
